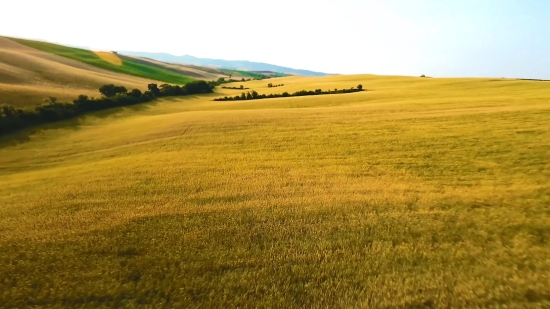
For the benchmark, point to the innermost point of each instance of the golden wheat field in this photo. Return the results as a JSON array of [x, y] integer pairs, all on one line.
[[417, 193], [109, 57]]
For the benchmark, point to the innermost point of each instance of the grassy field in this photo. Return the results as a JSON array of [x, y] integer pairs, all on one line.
[[203, 73], [91, 58], [253, 74], [244, 74], [418, 193]]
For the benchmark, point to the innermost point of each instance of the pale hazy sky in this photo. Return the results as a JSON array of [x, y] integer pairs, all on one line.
[[498, 38]]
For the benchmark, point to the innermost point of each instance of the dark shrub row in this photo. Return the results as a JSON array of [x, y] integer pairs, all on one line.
[[255, 96], [238, 88], [12, 118], [222, 80]]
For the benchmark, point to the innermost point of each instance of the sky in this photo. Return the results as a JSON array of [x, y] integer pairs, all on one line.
[[439, 38]]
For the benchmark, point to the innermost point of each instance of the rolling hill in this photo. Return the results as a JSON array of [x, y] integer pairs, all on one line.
[[28, 76], [197, 72], [224, 64], [104, 60], [31, 71], [417, 193]]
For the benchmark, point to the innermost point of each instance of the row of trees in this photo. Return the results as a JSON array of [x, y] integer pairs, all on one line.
[[241, 87], [222, 80], [262, 76], [12, 118], [270, 85], [255, 96]]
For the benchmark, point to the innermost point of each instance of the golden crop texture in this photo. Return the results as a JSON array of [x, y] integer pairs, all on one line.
[[417, 193]]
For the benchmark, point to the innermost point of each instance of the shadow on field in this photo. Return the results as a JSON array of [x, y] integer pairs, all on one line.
[[200, 97], [72, 124]]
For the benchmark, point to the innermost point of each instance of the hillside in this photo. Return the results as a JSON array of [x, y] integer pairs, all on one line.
[[197, 72], [224, 64], [28, 76], [31, 71], [108, 61], [417, 193]]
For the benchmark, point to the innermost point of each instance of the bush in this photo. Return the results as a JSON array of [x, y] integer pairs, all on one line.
[[111, 90]]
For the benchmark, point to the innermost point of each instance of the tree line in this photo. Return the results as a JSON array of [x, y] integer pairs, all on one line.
[[241, 87], [222, 80], [253, 75], [12, 118], [256, 96], [270, 85]]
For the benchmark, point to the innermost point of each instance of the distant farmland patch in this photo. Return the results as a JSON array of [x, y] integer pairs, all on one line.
[[111, 58]]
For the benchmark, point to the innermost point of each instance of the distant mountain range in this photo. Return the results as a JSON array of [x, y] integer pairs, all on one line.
[[225, 64]]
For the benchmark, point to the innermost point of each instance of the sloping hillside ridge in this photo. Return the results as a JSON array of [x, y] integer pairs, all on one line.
[[28, 76], [92, 58], [198, 72], [226, 64]]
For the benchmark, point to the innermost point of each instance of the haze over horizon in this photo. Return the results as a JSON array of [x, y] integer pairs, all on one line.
[[491, 38]]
